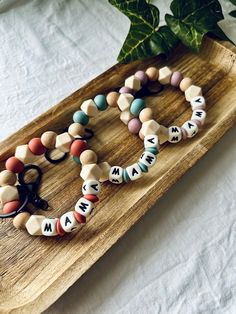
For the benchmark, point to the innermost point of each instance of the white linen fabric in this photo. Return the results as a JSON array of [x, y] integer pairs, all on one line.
[[181, 257]]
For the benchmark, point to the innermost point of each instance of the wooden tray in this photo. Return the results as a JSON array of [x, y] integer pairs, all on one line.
[[36, 271]]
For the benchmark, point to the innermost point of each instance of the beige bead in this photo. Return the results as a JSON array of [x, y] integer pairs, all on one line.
[[133, 82], [124, 101], [24, 154], [140, 134], [192, 92], [20, 220], [76, 130], [163, 134], [145, 114], [88, 156], [91, 172], [48, 139], [126, 116], [185, 83], [8, 193], [165, 75], [89, 108], [33, 225], [152, 73], [150, 127], [112, 98], [105, 168], [7, 178], [63, 142]]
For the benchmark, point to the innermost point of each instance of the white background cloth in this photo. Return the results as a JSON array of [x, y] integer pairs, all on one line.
[[181, 257]]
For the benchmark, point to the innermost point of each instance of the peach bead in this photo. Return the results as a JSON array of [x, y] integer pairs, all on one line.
[[20, 220], [112, 98], [77, 147], [141, 135], [11, 207], [145, 114], [7, 178], [88, 156], [152, 73], [48, 139], [14, 164], [36, 146], [185, 84], [76, 130]]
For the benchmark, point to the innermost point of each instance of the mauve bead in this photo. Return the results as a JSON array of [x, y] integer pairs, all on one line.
[[134, 125], [176, 78], [142, 76], [184, 134], [125, 90], [198, 123]]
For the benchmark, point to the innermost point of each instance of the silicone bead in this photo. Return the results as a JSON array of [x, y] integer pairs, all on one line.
[[191, 128], [76, 130], [151, 141], [145, 114], [89, 108], [150, 127], [126, 116], [91, 197], [11, 207], [20, 220], [115, 175], [193, 91], [136, 106], [79, 218], [91, 187], [49, 227], [133, 82], [91, 171], [77, 147], [8, 193], [76, 159], [124, 101], [152, 73], [175, 134], [125, 176], [14, 164], [68, 222], [88, 156], [198, 102], [176, 78], [24, 154], [152, 150], [36, 146], [63, 142], [33, 225], [60, 230], [142, 76], [148, 159], [165, 75], [134, 125], [112, 98], [199, 115], [100, 101], [126, 90], [84, 207], [134, 172], [105, 169], [80, 117], [185, 83], [48, 139], [7, 178], [143, 167]]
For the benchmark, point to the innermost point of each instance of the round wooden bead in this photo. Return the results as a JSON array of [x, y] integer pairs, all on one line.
[[36, 146], [134, 125], [88, 156], [140, 134], [76, 130], [20, 220], [77, 147], [48, 139], [11, 207], [145, 114], [185, 84], [7, 178], [112, 98], [152, 73], [14, 164]]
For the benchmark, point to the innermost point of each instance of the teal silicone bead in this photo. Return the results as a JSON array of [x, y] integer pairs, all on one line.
[[143, 167], [153, 150], [137, 105], [80, 117], [125, 175], [77, 160], [101, 103]]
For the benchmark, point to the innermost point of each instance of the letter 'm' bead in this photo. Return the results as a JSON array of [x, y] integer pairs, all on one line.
[[49, 227], [175, 134], [84, 207], [148, 159], [116, 175]]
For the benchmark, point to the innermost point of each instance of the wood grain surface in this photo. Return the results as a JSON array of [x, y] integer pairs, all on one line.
[[36, 271]]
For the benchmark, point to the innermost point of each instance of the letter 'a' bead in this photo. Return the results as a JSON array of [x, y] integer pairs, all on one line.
[[151, 141], [191, 128], [199, 115], [198, 102], [33, 225], [148, 159], [84, 207], [68, 222], [49, 227], [91, 187], [134, 172], [175, 134], [116, 175]]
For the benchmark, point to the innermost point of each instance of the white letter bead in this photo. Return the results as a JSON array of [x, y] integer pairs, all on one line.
[[175, 134], [133, 82], [164, 75], [148, 159], [198, 101], [151, 141], [191, 128], [89, 108], [199, 115], [49, 227], [124, 101], [91, 187], [34, 224], [192, 92], [84, 207], [115, 175], [134, 172], [68, 222]]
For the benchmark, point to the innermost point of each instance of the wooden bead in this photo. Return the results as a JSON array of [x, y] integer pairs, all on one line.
[[63, 142], [152, 73], [112, 98], [88, 156], [8, 193], [134, 172], [126, 116], [7, 178], [124, 101], [91, 171], [33, 225], [165, 75], [105, 168], [148, 159], [151, 141], [91, 187], [191, 128], [193, 91], [133, 82], [116, 175], [20, 220], [76, 130], [24, 154], [77, 147], [84, 206], [175, 134], [36, 147], [89, 108], [185, 83], [145, 114], [11, 207], [15, 165], [48, 139], [198, 102], [150, 127], [49, 227]]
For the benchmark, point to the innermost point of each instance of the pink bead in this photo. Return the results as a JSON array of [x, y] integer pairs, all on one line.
[[134, 125], [176, 78], [142, 76], [198, 123], [125, 90], [184, 134]]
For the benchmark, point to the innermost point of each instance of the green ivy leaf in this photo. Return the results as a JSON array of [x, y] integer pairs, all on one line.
[[192, 19], [145, 37]]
